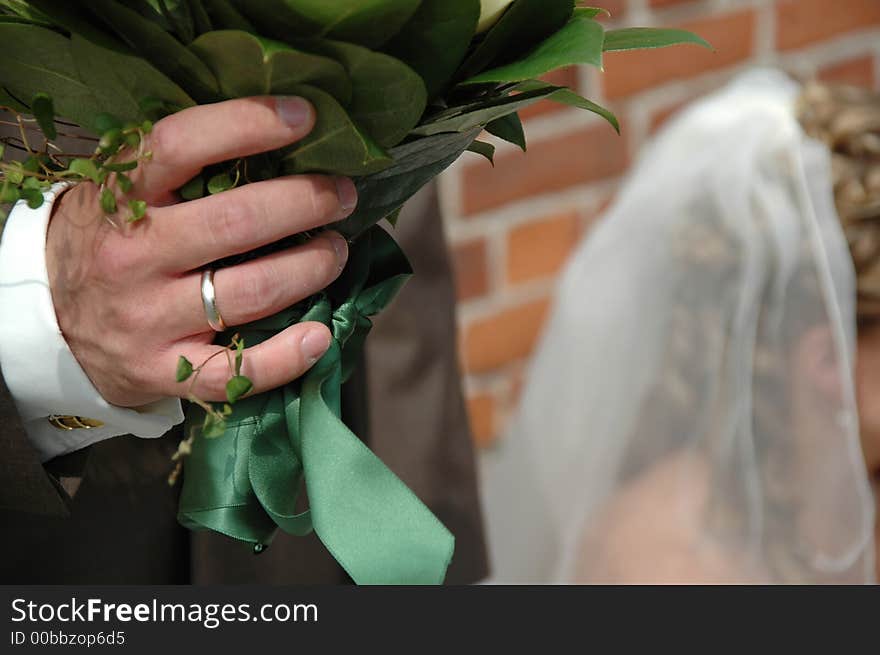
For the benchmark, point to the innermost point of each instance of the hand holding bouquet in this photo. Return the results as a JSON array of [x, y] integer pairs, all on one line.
[[401, 89]]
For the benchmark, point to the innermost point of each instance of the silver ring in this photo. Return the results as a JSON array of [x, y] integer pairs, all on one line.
[[209, 301]]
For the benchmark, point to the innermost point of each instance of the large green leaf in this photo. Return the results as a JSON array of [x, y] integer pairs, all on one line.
[[566, 96], [510, 129], [173, 16], [478, 115], [435, 41], [224, 16], [336, 145], [525, 24], [640, 38], [38, 60], [186, 19], [388, 97], [67, 16], [415, 164], [120, 82], [6, 100], [160, 48], [179, 15], [578, 42], [201, 20], [24, 10], [149, 9], [246, 65], [592, 12], [21, 20], [82, 78], [484, 149], [367, 22]]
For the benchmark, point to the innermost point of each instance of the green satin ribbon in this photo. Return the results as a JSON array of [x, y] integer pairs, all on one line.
[[245, 484]]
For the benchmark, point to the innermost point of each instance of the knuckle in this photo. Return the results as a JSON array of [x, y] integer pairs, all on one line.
[[164, 141], [135, 318], [226, 221]]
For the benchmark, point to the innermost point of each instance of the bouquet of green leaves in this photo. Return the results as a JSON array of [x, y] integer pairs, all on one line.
[[402, 88]]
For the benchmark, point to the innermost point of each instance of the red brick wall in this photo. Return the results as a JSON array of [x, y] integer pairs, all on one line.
[[512, 228]]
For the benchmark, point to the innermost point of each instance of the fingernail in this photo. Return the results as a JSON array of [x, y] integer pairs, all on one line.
[[348, 195], [314, 344], [340, 247], [293, 110]]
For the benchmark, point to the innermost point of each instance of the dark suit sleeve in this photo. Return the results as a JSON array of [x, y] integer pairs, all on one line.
[[25, 484]]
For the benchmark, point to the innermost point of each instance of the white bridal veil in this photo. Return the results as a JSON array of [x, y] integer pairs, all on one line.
[[690, 413]]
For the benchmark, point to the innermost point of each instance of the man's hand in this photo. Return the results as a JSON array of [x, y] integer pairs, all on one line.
[[128, 298]]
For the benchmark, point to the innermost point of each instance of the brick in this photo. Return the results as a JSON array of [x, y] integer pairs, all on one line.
[[481, 414], [855, 72], [732, 36], [579, 157], [562, 77], [503, 338], [471, 268], [662, 4], [802, 22], [540, 249]]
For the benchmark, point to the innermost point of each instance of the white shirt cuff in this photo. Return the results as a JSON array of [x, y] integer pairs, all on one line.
[[40, 371]]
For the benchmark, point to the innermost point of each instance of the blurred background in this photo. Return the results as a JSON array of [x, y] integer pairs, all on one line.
[[511, 230]]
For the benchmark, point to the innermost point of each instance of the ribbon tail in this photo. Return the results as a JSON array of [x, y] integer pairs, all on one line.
[[370, 521]]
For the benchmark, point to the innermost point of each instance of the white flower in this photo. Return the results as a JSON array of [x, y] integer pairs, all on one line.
[[490, 12]]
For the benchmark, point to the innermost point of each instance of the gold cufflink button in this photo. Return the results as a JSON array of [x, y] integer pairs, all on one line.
[[65, 422]]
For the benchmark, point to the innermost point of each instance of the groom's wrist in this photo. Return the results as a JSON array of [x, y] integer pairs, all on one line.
[[59, 407]]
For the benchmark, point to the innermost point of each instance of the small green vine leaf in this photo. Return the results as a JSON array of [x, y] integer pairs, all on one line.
[[108, 201], [220, 183], [237, 387], [214, 426], [106, 122], [44, 111], [110, 141], [9, 194], [85, 168], [138, 210], [124, 182], [239, 353], [121, 167], [34, 197], [184, 369], [194, 189]]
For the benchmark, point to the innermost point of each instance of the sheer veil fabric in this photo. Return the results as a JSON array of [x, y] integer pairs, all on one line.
[[689, 414]]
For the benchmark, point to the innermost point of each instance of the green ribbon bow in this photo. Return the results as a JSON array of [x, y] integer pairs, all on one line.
[[245, 484]]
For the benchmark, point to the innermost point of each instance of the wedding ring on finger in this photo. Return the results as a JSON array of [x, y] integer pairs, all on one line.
[[209, 301]]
